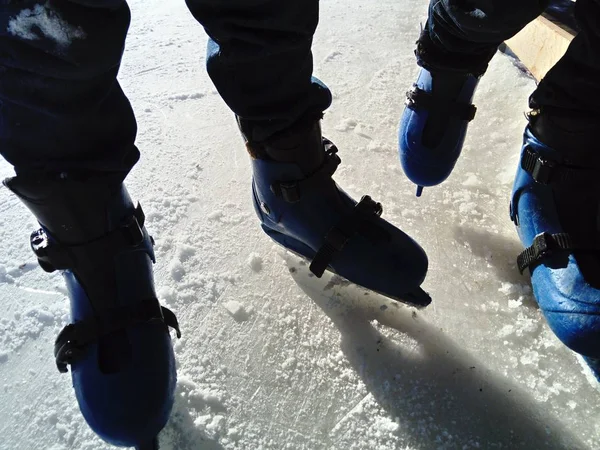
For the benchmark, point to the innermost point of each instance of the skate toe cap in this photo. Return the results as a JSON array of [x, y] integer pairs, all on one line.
[[424, 173], [401, 270], [422, 165], [132, 405], [411, 266], [394, 267]]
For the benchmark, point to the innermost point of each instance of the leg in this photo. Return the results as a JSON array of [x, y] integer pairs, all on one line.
[[556, 190], [463, 35], [260, 60], [460, 38], [69, 131], [571, 89], [62, 106]]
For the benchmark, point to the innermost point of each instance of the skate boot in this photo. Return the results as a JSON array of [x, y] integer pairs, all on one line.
[[118, 344], [556, 208], [434, 124], [301, 208]]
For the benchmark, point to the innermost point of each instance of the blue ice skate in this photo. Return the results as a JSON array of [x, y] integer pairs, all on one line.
[[555, 207], [302, 208], [118, 344], [433, 126]]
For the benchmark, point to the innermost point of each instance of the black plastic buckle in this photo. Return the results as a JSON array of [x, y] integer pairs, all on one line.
[[419, 98], [543, 244], [512, 212], [332, 159], [66, 348], [51, 256], [291, 191], [171, 320], [411, 96], [72, 342], [330, 148], [542, 170], [133, 231], [369, 206], [66, 355], [288, 190], [40, 244]]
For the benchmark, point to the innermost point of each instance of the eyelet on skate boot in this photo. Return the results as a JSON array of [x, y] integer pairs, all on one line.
[[564, 261], [312, 217]]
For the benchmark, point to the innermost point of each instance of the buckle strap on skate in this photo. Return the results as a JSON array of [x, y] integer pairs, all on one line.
[[417, 98], [546, 244], [546, 171], [291, 191], [72, 342], [337, 238], [53, 255]]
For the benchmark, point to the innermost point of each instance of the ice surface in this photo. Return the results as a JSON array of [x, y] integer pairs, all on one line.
[[312, 368]]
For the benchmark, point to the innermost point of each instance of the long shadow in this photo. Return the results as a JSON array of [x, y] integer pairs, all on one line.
[[443, 397], [501, 253]]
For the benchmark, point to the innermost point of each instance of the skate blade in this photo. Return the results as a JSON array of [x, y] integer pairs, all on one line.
[[591, 370], [418, 298]]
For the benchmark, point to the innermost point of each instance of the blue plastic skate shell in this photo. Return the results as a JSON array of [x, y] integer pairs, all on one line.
[[570, 305], [426, 166], [392, 264], [126, 405]]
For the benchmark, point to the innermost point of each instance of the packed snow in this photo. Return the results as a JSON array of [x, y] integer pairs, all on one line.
[[272, 357]]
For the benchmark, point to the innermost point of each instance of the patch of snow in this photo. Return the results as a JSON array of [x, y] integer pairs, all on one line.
[[46, 20]]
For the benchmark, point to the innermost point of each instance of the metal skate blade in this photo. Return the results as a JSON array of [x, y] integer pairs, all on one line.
[[417, 298], [591, 370]]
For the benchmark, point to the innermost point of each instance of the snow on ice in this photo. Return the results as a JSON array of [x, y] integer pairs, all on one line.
[[43, 19]]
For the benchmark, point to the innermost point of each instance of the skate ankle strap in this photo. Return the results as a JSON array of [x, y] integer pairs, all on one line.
[[546, 171], [93, 262], [72, 342], [417, 98], [337, 238], [545, 245], [291, 191], [53, 255]]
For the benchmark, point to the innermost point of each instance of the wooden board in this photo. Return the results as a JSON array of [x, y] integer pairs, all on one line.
[[540, 45]]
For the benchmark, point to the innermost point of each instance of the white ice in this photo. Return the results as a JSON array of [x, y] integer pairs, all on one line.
[[271, 358]]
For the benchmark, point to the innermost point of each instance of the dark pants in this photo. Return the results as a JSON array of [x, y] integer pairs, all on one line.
[[463, 35], [62, 108]]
